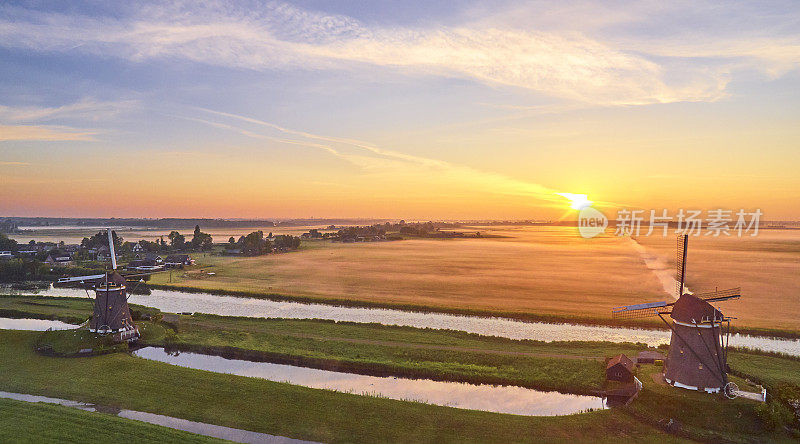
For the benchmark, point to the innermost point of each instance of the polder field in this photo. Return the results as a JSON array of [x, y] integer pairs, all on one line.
[[119, 380], [529, 272]]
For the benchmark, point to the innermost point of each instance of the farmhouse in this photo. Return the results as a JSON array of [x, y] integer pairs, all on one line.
[[58, 258], [620, 368], [178, 261], [138, 251]]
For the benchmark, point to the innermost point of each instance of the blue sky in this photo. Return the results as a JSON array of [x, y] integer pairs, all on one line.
[[396, 109]]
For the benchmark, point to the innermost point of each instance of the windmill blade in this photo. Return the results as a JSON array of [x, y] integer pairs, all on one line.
[[721, 295], [93, 277], [680, 272], [639, 311], [111, 250]]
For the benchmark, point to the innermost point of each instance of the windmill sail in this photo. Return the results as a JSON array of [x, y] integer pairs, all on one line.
[[721, 295], [680, 273], [639, 311], [111, 250]]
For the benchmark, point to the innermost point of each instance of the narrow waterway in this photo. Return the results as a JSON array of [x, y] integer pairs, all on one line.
[[177, 302], [490, 398], [33, 324], [214, 431]]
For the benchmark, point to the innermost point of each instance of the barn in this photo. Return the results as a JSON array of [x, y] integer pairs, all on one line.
[[620, 368]]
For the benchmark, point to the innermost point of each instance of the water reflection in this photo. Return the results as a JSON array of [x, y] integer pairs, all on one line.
[[178, 301], [513, 400], [33, 324]]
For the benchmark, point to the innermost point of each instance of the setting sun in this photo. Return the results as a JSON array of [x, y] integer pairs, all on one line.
[[577, 201]]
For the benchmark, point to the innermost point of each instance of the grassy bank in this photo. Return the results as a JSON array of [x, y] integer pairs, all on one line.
[[69, 310], [24, 422], [380, 350], [120, 380], [700, 416], [654, 323]]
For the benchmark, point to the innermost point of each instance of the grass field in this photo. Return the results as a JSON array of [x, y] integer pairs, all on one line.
[[399, 351], [23, 422], [535, 270], [120, 380]]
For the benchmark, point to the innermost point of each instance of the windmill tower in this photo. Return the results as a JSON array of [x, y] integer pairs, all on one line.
[[698, 350], [111, 314]]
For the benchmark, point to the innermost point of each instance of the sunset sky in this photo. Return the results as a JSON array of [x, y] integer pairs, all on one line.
[[417, 110]]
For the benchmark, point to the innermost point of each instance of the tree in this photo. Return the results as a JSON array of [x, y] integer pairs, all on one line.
[[253, 244], [231, 240], [7, 244], [176, 240], [286, 242], [101, 240], [201, 241]]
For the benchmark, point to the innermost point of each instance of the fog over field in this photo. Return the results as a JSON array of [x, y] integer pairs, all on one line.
[[542, 270]]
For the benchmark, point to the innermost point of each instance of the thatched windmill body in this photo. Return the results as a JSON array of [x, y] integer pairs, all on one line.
[[698, 348]]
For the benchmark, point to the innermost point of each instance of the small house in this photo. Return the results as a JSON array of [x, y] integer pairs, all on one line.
[[649, 357], [178, 260], [154, 258], [58, 258], [620, 368], [138, 251]]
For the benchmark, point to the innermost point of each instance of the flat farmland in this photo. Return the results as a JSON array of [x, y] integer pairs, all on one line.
[[531, 270], [540, 270]]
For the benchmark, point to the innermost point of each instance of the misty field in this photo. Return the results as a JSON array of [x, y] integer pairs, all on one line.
[[533, 270], [538, 270]]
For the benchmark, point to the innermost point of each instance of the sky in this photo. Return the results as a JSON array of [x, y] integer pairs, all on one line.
[[415, 110]]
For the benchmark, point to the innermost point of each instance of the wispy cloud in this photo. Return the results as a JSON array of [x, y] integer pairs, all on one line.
[[268, 36], [85, 109], [385, 164], [43, 133], [2, 163]]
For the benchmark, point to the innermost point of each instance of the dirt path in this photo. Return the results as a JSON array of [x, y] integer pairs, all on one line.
[[176, 319]]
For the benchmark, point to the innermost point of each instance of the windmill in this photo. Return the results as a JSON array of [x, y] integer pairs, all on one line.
[[698, 350], [111, 314]]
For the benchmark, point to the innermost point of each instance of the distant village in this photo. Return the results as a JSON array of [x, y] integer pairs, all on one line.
[[42, 261], [390, 232], [50, 260]]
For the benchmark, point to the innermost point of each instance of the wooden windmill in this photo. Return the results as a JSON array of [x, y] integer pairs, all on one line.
[[111, 314], [698, 350]]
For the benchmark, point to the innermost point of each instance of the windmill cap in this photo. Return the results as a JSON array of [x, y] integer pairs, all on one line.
[[690, 309]]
